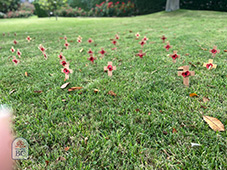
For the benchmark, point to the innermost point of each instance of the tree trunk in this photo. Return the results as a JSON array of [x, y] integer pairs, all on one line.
[[172, 5]]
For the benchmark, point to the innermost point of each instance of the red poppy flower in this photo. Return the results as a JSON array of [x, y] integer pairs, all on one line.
[[60, 56], [163, 38], [3, 34], [18, 52], [137, 35], [142, 43], [63, 63], [102, 51], [186, 74], [141, 54], [114, 42], [174, 56], [167, 47], [79, 40], [28, 38], [89, 40], [209, 66], [214, 51], [65, 38], [66, 44], [90, 51], [15, 61], [92, 59], [15, 42], [12, 50], [66, 71], [41, 48], [145, 39], [110, 67], [117, 37]]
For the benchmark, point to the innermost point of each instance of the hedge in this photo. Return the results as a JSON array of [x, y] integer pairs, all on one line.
[[39, 11]]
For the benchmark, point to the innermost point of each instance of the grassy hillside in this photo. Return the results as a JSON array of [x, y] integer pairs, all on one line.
[[136, 128]]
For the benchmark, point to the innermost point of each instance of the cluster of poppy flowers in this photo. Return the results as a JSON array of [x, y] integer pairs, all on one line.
[[65, 64]]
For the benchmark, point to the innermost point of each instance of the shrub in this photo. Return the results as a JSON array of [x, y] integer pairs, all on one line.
[[26, 6], [2, 15], [19, 14], [110, 9], [70, 12]]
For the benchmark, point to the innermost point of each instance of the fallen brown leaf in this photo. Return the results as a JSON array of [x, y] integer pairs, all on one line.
[[192, 64], [211, 86], [96, 90], [26, 74], [60, 159], [193, 94], [214, 123], [204, 107], [183, 62], [12, 91], [187, 54], [112, 93], [137, 110], [225, 50], [38, 91], [47, 163], [174, 130], [205, 99], [65, 85], [165, 133], [74, 88], [66, 148], [60, 38]]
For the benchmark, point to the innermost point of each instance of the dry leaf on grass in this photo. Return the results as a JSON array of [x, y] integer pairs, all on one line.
[[81, 50], [38, 91], [137, 110], [193, 95], [74, 88], [204, 107], [26, 74], [47, 163], [205, 99], [96, 90], [66, 148], [60, 159], [225, 50], [214, 123], [12, 91], [112, 93], [65, 85], [174, 130], [187, 54]]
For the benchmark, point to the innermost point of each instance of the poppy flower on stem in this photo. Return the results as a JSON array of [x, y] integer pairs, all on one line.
[[12, 50], [41, 48], [92, 59], [89, 40], [168, 46], [28, 38], [61, 57], [66, 44], [163, 38], [15, 42], [19, 53], [15, 61], [90, 51], [141, 54], [102, 52], [142, 43], [117, 37], [209, 66], [137, 35], [214, 51], [186, 74], [67, 71]]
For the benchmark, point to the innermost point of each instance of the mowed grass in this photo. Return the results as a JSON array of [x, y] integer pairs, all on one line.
[[133, 130]]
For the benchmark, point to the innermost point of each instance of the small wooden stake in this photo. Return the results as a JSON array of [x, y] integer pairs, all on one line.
[[210, 64], [109, 68], [186, 73]]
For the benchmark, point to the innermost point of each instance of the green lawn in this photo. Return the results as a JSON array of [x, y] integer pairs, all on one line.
[[133, 130]]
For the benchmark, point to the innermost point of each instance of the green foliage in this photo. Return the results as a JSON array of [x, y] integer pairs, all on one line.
[[51, 5], [39, 11], [9, 5], [19, 14], [215, 5], [67, 11]]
